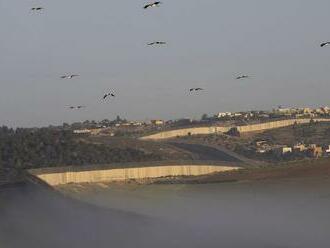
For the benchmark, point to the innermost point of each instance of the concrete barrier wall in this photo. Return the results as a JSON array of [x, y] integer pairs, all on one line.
[[108, 175], [275, 124], [270, 125], [242, 129], [186, 132]]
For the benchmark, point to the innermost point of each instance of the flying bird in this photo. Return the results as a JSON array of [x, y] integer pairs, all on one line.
[[153, 4], [325, 44], [77, 107], [69, 76], [195, 89], [37, 8], [242, 77], [110, 94], [156, 43]]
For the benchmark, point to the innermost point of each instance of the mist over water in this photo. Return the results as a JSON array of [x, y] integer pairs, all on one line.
[[281, 213]]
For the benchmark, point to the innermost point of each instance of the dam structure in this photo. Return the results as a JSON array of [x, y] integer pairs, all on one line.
[[219, 129], [67, 175]]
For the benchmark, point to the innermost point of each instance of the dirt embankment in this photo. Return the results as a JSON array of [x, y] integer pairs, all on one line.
[[299, 169]]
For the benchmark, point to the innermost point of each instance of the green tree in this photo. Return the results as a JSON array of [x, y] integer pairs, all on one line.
[[204, 117]]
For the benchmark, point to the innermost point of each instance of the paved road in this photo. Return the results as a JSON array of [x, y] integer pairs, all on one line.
[[206, 152]]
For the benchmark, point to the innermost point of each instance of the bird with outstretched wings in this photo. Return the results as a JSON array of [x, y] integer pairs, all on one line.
[[153, 4]]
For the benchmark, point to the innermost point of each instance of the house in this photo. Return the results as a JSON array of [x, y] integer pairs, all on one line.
[[328, 150], [315, 151], [283, 150], [286, 150], [319, 111], [248, 115], [312, 146], [283, 111], [261, 150], [136, 123], [300, 147], [96, 131], [157, 122], [81, 131], [307, 110], [264, 115], [260, 142], [326, 110], [224, 114]]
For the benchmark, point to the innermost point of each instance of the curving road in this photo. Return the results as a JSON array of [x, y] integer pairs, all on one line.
[[204, 152]]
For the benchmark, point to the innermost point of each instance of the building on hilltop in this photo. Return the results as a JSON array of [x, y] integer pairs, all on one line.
[[315, 151], [157, 122], [328, 150], [224, 114], [282, 150], [300, 147], [286, 150], [82, 131]]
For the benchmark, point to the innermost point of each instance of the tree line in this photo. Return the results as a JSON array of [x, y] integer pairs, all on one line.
[[24, 148]]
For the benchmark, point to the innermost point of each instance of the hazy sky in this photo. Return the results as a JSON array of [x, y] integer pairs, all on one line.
[[210, 42]]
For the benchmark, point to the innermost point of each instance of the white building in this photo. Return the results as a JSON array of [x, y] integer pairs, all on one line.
[[224, 114], [157, 122], [328, 150], [286, 150], [81, 131]]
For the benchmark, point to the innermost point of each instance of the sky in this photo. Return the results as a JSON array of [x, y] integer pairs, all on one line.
[[209, 43]]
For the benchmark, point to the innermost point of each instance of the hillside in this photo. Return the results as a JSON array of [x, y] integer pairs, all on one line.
[[246, 144], [47, 147], [315, 133]]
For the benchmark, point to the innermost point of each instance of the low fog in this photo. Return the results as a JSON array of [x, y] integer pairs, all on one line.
[[286, 213], [34, 217]]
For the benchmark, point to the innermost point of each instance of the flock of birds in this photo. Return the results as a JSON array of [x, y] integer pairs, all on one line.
[[154, 43]]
